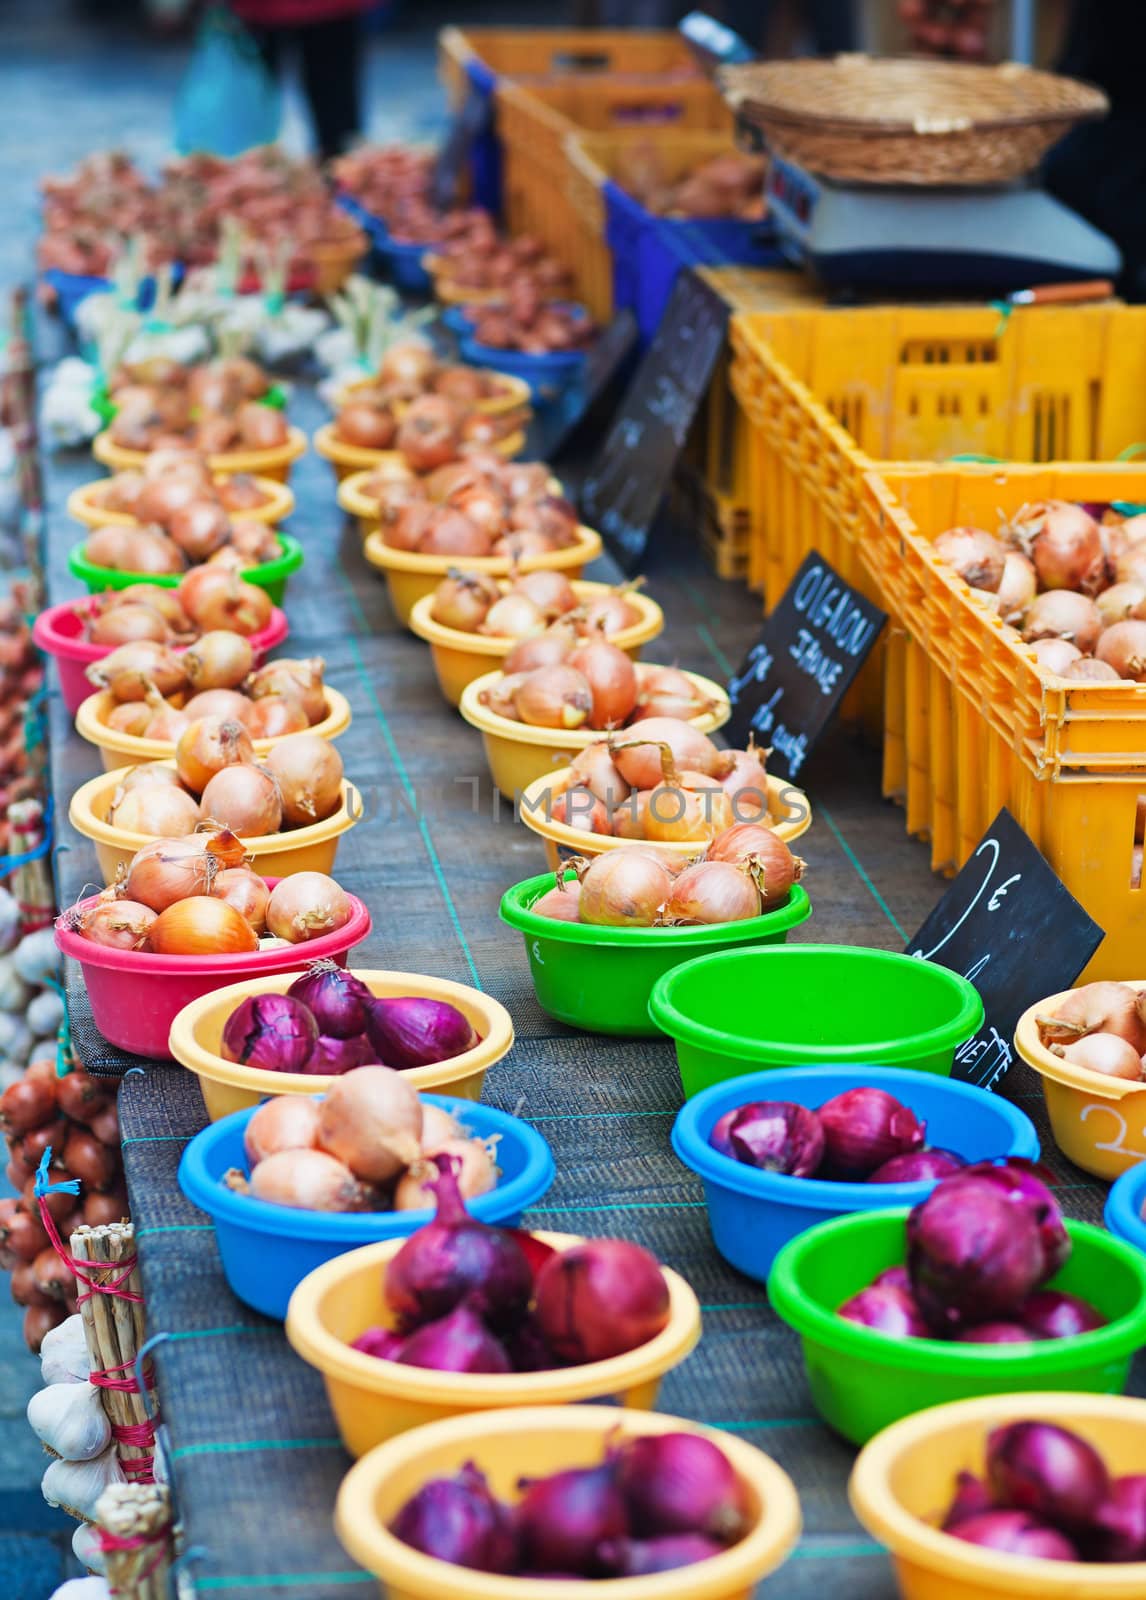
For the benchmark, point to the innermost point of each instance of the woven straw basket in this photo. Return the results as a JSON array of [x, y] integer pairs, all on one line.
[[862, 120]]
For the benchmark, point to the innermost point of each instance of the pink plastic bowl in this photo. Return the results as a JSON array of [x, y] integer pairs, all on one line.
[[136, 996], [58, 631]]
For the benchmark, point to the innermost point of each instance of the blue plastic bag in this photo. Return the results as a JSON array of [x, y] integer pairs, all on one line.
[[228, 100]]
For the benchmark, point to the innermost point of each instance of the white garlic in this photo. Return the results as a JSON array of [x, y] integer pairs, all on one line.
[[36, 958], [45, 1013], [77, 1485], [86, 1548], [64, 1352], [69, 1418], [83, 1589], [14, 992]]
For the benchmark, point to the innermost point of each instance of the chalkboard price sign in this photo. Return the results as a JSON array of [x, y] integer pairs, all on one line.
[[1009, 926], [627, 480], [809, 652]]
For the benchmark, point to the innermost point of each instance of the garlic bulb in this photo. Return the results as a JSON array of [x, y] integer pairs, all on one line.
[[77, 1485], [86, 1548], [64, 1353], [83, 1589], [69, 1418], [45, 1013]]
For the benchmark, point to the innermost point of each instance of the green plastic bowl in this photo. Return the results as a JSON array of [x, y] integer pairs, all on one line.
[[271, 575], [601, 978], [862, 1380], [806, 1005]]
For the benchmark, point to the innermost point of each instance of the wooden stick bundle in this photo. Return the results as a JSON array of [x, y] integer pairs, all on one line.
[[142, 1511], [31, 883], [113, 1326]]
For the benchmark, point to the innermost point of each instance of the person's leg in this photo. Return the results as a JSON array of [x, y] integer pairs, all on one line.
[[833, 25], [331, 70]]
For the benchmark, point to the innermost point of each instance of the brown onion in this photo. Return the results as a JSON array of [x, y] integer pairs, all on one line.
[[291, 677], [554, 697], [1120, 601], [976, 556], [451, 533], [551, 592], [623, 889], [307, 905], [475, 1172], [775, 868], [562, 902], [1062, 614], [165, 601], [309, 773], [309, 1180], [275, 716], [1102, 1007], [548, 649], [222, 599], [219, 659], [609, 613], [208, 745], [745, 781], [167, 870], [1065, 544], [594, 769], [1055, 654], [165, 723], [132, 717], [1106, 1053], [1017, 587], [288, 1122], [202, 925], [638, 760], [712, 892], [612, 681], [687, 807], [199, 528], [668, 692], [128, 671], [513, 616], [246, 893], [1123, 647], [221, 703], [245, 799], [1088, 670], [156, 809], [462, 600], [261, 427], [117, 924], [123, 624], [366, 426], [150, 772]]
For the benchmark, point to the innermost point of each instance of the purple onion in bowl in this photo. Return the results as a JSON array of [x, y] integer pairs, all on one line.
[[775, 1136], [1118, 1531], [997, 1333], [681, 1483], [892, 1278], [1018, 1179], [971, 1498], [918, 1166], [414, 1030], [457, 1342], [886, 1309], [332, 1057], [1052, 1314], [271, 1032], [335, 998], [637, 1558], [1015, 1533], [564, 1520], [382, 1343], [459, 1520], [865, 1127], [972, 1255], [1048, 1471]]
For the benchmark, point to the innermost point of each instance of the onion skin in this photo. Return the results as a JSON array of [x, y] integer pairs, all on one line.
[[246, 799], [155, 809], [270, 1032], [711, 892], [561, 903], [612, 681], [1056, 655], [1065, 545], [1062, 614], [1106, 1053], [554, 697], [336, 999], [117, 924], [167, 870], [976, 556], [1103, 1007], [1123, 647], [773, 1136], [639, 761], [246, 892]]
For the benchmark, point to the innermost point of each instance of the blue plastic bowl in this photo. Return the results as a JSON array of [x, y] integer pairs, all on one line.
[[546, 375], [267, 1250], [405, 264], [454, 318], [1123, 1214], [753, 1214]]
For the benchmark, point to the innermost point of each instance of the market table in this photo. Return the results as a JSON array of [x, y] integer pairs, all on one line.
[[254, 1455]]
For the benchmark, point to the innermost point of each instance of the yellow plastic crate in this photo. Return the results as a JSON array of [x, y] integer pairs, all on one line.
[[972, 722], [540, 52]]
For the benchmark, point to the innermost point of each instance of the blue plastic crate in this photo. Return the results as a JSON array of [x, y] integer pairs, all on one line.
[[648, 252], [485, 149]]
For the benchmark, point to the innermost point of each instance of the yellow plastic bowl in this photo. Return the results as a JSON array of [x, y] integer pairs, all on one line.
[[228, 1086], [518, 754], [450, 292], [535, 1442], [128, 749], [276, 855], [410, 575], [460, 657], [347, 459], [515, 394], [789, 815], [83, 506], [333, 260], [275, 463], [1098, 1123], [374, 1400], [905, 1478], [365, 509]]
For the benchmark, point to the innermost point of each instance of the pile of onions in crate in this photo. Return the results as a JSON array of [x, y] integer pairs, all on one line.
[[76, 1116]]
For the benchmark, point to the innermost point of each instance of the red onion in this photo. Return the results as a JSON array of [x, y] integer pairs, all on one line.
[[681, 1483], [997, 1333], [271, 1032], [774, 1136], [458, 1520], [415, 1031], [563, 1520], [457, 1342], [528, 1351], [1018, 1181], [336, 999], [972, 1497], [600, 1299], [332, 1057], [456, 1258], [972, 1256], [636, 1558], [1015, 1533], [918, 1166], [865, 1127], [1118, 1530], [894, 1277], [1048, 1471], [1051, 1314], [888, 1310], [382, 1343]]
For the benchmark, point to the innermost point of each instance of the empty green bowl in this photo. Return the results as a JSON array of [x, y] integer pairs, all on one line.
[[862, 1380], [270, 575], [601, 978], [806, 1005]]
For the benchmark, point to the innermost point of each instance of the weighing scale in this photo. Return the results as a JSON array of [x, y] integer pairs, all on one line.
[[858, 238], [989, 241]]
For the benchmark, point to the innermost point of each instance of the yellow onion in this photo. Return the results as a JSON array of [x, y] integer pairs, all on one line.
[[156, 809], [246, 892], [309, 773], [301, 679], [208, 745], [167, 870], [201, 926], [219, 659], [246, 799]]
